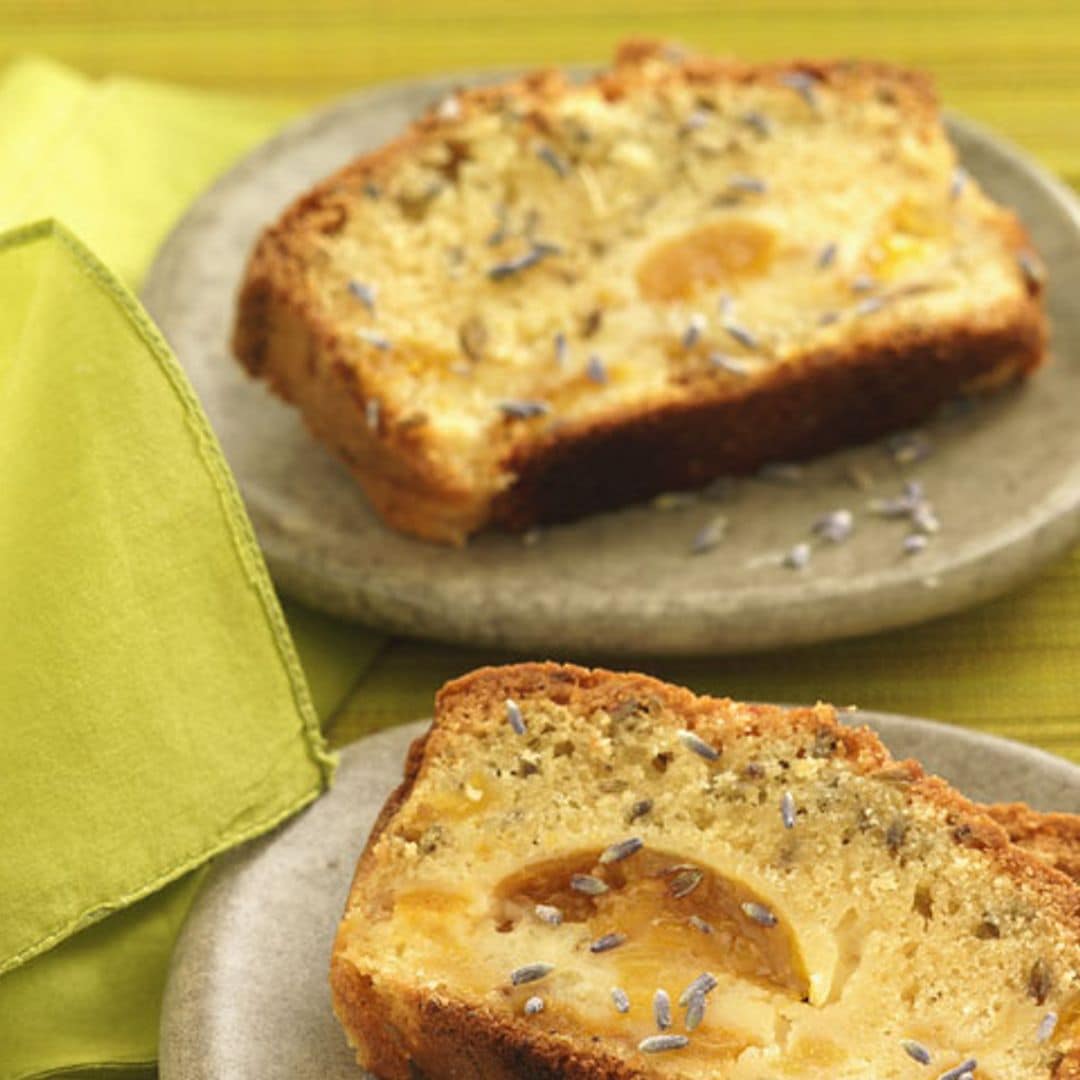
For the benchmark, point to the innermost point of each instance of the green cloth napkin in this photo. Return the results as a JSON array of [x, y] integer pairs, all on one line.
[[153, 708], [157, 713]]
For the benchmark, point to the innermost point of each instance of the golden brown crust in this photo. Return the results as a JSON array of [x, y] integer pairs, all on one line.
[[1054, 838], [801, 411], [406, 1033]]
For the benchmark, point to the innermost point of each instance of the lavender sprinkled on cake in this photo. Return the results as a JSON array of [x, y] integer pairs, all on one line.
[[622, 850], [758, 122], [961, 1071], [827, 255], [607, 942], [514, 717], [685, 882], [759, 913], [365, 293], [662, 1009], [530, 973], [694, 122], [709, 535], [658, 1044], [548, 913], [587, 885], [1032, 270], [374, 339], [695, 328], [561, 348], [698, 745], [787, 810], [695, 1011], [804, 84], [1046, 1027], [916, 1051], [524, 410], [731, 364], [744, 337], [550, 158], [705, 983], [537, 253], [749, 185], [957, 183], [595, 370]]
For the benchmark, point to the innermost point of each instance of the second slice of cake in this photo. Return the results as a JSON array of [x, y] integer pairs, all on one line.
[[597, 875]]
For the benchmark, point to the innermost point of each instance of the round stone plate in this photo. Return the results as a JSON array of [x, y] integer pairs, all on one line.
[[1004, 477], [248, 997]]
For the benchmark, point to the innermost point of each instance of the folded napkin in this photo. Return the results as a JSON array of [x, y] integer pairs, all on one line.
[[154, 711]]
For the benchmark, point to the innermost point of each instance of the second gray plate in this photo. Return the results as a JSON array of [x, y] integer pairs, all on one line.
[[1005, 479], [248, 996]]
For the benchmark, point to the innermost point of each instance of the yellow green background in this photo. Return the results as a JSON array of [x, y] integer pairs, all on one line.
[[1012, 63]]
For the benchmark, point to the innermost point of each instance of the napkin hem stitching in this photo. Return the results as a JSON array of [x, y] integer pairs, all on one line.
[[92, 1066]]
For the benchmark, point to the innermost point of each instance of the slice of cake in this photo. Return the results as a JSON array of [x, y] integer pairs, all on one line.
[[546, 299], [588, 874]]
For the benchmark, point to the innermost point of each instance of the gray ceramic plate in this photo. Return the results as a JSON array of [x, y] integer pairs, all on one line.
[[1005, 479], [247, 997]]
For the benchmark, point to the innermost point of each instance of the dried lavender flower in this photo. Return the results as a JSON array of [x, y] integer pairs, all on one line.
[[827, 255], [709, 535], [524, 410], [695, 328], [606, 942], [514, 717], [548, 913], [705, 983], [758, 913], [657, 1044], [698, 745], [662, 1009], [797, 557], [787, 810], [835, 526], [622, 850], [550, 158], [587, 885], [916, 1051], [365, 293], [530, 973]]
